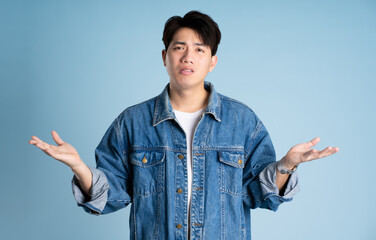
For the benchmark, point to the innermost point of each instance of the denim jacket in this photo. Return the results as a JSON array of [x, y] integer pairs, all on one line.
[[142, 160]]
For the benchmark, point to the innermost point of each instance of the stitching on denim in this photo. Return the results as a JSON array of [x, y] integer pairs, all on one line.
[[137, 162], [255, 132], [156, 111], [229, 162], [173, 135], [222, 183], [202, 192], [156, 118], [234, 194], [152, 192], [163, 120], [119, 200], [159, 187], [183, 150], [158, 216], [223, 217], [176, 170], [216, 114], [134, 221], [119, 137], [244, 233]]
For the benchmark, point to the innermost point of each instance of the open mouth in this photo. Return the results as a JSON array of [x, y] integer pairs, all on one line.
[[186, 71]]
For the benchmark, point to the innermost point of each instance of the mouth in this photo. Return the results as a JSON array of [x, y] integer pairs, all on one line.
[[186, 71]]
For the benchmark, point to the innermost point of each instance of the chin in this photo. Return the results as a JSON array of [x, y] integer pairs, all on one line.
[[187, 83]]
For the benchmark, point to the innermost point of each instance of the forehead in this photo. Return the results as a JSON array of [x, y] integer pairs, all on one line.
[[186, 34]]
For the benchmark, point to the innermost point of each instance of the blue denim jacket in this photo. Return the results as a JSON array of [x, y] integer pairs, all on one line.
[[142, 160]]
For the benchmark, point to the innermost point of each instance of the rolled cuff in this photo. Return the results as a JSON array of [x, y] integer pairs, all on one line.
[[269, 188], [95, 203]]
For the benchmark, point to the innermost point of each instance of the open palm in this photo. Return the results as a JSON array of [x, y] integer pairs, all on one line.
[[64, 152], [303, 153]]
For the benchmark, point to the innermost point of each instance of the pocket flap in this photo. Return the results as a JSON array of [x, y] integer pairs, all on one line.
[[147, 158], [232, 158]]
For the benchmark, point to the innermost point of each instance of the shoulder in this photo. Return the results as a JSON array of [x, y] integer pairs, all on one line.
[[236, 107], [140, 110]]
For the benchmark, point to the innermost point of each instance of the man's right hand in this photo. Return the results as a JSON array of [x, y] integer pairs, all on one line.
[[67, 154], [64, 152]]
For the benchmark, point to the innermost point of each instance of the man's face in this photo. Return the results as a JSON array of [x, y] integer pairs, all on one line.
[[188, 60]]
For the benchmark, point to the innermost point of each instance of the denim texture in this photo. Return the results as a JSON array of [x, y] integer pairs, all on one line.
[[141, 159]]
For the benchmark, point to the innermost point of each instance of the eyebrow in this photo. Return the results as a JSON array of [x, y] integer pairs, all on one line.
[[184, 43]]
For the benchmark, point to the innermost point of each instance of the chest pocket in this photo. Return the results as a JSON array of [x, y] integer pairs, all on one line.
[[148, 170], [231, 166]]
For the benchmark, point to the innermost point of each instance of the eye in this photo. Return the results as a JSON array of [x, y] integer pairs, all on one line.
[[178, 48], [200, 50]]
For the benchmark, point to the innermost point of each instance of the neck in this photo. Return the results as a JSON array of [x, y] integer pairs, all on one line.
[[188, 100]]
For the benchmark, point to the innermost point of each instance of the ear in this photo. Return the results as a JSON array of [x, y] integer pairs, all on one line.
[[164, 52], [214, 60]]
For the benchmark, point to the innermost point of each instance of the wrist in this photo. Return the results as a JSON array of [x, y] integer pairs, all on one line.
[[77, 168], [282, 168], [287, 165]]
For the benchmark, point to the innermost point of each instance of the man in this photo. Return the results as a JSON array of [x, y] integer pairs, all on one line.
[[191, 161]]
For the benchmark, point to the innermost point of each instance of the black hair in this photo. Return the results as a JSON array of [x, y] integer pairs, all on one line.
[[202, 24]]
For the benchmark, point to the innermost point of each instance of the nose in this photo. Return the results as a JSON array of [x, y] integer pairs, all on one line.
[[187, 57]]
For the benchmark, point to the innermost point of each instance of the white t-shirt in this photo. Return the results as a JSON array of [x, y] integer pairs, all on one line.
[[189, 121]]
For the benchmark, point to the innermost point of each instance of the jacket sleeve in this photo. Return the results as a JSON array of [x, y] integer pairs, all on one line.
[[94, 203], [111, 189], [268, 186], [259, 154]]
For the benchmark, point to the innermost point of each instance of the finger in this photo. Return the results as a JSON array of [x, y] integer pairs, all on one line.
[[57, 138], [48, 149], [305, 146], [36, 139], [310, 155], [328, 151], [316, 154], [324, 152], [313, 142], [41, 146]]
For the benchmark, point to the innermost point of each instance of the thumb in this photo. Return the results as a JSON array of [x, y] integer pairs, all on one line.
[[57, 138], [313, 142]]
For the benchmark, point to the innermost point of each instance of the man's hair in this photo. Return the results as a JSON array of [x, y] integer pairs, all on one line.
[[202, 24]]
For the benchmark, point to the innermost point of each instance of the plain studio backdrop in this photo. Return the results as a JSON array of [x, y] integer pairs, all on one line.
[[307, 68]]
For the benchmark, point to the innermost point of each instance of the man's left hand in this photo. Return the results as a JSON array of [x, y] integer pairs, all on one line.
[[303, 153]]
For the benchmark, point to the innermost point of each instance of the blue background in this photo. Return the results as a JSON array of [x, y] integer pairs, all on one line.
[[307, 68]]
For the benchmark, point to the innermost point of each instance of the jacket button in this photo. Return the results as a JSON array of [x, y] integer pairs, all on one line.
[[180, 190], [240, 161], [179, 226], [144, 160], [181, 156]]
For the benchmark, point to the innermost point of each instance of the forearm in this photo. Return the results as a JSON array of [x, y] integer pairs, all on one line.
[[84, 176]]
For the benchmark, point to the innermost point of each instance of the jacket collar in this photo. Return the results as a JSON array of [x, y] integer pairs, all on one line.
[[164, 111]]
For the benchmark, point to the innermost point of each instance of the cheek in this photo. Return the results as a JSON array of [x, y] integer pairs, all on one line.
[[170, 67], [170, 61], [207, 65]]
